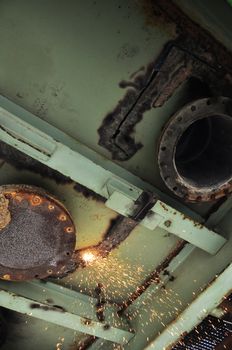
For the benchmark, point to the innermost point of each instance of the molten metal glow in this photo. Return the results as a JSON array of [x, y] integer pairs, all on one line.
[[88, 257]]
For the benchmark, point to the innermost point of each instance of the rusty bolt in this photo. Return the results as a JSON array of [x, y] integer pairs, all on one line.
[[69, 229], [62, 217], [167, 223], [36, 200]]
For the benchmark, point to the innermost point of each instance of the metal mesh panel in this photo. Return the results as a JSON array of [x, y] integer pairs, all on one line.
[[205, 336]]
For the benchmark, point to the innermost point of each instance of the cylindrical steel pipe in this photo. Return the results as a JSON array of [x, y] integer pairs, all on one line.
[[195, 150]]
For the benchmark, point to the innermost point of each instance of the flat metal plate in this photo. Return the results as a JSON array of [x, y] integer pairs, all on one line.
[[39, 238]]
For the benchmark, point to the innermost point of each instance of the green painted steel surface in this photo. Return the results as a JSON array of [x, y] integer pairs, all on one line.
[[63, 62]]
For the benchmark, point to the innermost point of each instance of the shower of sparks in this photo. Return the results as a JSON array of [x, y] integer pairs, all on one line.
[[119, 278], [60, 343]]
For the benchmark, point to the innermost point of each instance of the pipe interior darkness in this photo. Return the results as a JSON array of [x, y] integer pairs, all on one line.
[[203, 154]]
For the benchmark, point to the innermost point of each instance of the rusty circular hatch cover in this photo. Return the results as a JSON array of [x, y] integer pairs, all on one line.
[[37, 234]]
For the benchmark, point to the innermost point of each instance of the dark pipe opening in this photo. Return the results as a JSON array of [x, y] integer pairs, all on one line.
[[203, 154]]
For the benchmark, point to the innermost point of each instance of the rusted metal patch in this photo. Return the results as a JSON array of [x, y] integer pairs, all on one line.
[[117, 127], [83, 344], [40, 238], [89, 194], [5, 216], [101, 301], [189, 35], [47, 307], [192, 52]]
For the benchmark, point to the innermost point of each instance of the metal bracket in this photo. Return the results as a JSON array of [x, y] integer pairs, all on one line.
[[170, 220]]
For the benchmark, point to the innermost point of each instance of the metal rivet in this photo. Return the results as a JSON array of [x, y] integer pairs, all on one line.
[[62, 217]]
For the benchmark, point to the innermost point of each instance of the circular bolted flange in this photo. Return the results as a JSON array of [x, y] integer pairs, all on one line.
[[195, 150], [38, 238]]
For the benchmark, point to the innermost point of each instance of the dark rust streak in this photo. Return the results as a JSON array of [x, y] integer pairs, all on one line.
[[86, 321], [22, 161], [47, 307], [106, 327], [192, 52], [89, 194], [100, 305], [118, 232], [83, 344], [119, 229], [154, 276], [116, 128], [190, 35]]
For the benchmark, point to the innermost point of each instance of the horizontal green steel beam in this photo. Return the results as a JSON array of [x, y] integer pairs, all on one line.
[[121, 195], [61, 306], [196, 312], [31, 135]]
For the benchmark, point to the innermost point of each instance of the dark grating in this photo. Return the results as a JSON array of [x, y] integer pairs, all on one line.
[[206, 335]]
